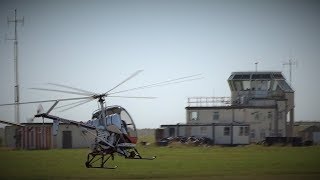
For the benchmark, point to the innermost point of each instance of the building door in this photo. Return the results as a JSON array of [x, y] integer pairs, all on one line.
[[66, 139], [172, 132]]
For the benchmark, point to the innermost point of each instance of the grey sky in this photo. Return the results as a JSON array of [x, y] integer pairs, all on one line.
[[94, 45]]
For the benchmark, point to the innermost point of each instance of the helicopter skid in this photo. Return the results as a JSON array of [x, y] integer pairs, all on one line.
[[134, 154], [142, 158], [92, 158]]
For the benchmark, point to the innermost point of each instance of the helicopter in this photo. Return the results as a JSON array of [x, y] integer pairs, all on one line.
[[115, 130]]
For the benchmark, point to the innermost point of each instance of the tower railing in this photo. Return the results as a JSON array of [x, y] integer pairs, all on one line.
[[208, 101]]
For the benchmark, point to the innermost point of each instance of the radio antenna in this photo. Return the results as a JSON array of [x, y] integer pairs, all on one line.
[[15, 21], [290, 63]]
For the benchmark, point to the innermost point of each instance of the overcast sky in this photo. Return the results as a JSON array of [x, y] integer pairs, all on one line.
[[94, 45]]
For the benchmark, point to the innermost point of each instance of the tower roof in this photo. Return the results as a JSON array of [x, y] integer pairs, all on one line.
[[256, 75]]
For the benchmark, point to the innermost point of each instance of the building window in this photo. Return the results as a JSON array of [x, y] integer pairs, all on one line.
[[194, 116], [256, 116], [244, 131], [241, 132], [226, 131], [172, 132], [252, 133], [215, 115], [262, 134], [203, 130]]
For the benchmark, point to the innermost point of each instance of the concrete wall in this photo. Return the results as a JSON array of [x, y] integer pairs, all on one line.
[[10, 132], [316, 137], [2, 137], [262, 121], [219, 137], [214, 132], [80, 139], [240, 138]]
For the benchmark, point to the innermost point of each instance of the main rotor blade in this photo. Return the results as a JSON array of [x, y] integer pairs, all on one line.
[[73, 88], [138, 97], [74, 103], [79, 104], [172, 81], [44, 101], [130, 77], [56, 90]]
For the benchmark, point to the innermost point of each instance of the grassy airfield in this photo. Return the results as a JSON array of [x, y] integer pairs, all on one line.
[[173, 162]]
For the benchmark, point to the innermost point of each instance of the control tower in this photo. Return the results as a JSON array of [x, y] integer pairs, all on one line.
[[262, 89]]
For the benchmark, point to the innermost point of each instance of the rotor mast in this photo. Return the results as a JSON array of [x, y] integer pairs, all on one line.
[[16, 70], [103, 114]]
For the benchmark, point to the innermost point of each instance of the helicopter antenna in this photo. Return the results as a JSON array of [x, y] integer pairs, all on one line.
[[16, 75]]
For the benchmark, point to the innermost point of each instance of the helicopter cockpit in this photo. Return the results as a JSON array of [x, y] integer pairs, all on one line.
[[119, 117]]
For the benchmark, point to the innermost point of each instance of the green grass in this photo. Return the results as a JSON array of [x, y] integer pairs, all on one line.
[[177, 162]]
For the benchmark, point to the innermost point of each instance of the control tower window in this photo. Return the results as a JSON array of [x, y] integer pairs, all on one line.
[[215, 115], [260, 85], [238, 85], [194, 116], [246, 85]]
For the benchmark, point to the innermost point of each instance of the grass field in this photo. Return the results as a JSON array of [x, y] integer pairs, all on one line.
[[178, 162]]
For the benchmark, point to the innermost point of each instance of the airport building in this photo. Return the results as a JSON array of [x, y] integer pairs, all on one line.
[[46, 136], [260, 106]]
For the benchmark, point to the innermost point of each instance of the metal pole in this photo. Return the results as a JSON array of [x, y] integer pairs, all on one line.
[[17, 109], [103, 115], [290, 64], [16, 70]]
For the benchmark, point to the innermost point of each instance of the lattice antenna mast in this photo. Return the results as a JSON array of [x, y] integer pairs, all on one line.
[[290, 64], [15, 21]]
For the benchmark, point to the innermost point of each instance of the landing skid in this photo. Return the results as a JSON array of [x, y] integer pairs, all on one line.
[[98, 159], [142, 158], [134, 154], [94, 157]]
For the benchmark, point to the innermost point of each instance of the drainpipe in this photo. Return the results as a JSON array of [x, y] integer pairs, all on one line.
[[276, 121], [213, 135], [231, 129], [178, 129], [231, 134], [290, 134]]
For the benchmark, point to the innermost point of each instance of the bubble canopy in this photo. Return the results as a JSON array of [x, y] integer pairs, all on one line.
[[124, 115]]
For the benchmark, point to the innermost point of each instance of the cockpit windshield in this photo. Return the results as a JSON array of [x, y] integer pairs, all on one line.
[[125, 117]]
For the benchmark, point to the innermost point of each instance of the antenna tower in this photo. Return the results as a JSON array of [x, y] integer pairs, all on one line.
[[290, 64], [15, 21]]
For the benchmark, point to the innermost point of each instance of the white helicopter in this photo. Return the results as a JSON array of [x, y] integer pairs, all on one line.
[[115, 131]]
